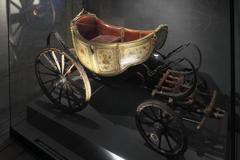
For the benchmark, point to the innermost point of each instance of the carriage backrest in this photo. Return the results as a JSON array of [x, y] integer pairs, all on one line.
[[89, 27], [131, 34], [107, 29]]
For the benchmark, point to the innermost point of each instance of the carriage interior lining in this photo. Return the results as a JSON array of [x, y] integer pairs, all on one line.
[[95, 30]]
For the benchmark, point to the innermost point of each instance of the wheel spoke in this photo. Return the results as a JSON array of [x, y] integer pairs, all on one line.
[[68, 98], [51, 80], [56, 61], [153, 113], [60, 94], [168, 141], [47, 67], [160, 141], [171, 136], [53, 89], [147, 123], [160, 115], [75, 78], [173, 129], [76, 100], [69, 70], [49, 61], [76, 93], [147, 115], [63, 63], [51, 74], [76, 87], [75, 90]]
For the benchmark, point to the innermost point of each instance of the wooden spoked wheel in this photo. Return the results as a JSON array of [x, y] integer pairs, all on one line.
[[62, 79], [160, 127]]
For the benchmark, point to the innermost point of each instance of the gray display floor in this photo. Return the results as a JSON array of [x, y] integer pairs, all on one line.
[[106, 129]]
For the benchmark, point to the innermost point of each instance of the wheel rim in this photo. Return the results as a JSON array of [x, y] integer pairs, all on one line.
[[63, 80], [160, 129]]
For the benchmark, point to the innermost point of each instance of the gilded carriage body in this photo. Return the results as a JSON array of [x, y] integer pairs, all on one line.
[[112, 57]]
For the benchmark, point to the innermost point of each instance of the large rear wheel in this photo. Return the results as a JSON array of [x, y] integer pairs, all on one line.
[[63, 80]]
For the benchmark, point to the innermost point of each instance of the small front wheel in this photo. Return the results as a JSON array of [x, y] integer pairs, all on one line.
[[62, 79], [161, 128]]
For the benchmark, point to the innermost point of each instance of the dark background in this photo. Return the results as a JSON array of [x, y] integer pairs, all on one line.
[[204, 22]]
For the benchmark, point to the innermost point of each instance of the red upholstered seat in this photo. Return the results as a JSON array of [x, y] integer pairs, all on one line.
[[96, 30], [107, 29], [87, 27], [106, 39]]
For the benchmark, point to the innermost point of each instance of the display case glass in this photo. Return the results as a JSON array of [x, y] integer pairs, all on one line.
[[121, 79]]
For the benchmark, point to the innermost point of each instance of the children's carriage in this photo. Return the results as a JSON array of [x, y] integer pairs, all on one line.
[[103, 51]]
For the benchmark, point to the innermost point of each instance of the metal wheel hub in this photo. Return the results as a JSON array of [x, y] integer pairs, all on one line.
[[154, 137], [63, 79], [157, 125]]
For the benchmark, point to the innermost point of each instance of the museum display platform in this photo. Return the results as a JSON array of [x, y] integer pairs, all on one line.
[[107, 130]]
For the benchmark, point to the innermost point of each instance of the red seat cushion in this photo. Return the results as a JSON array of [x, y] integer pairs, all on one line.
[[106, 39]]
